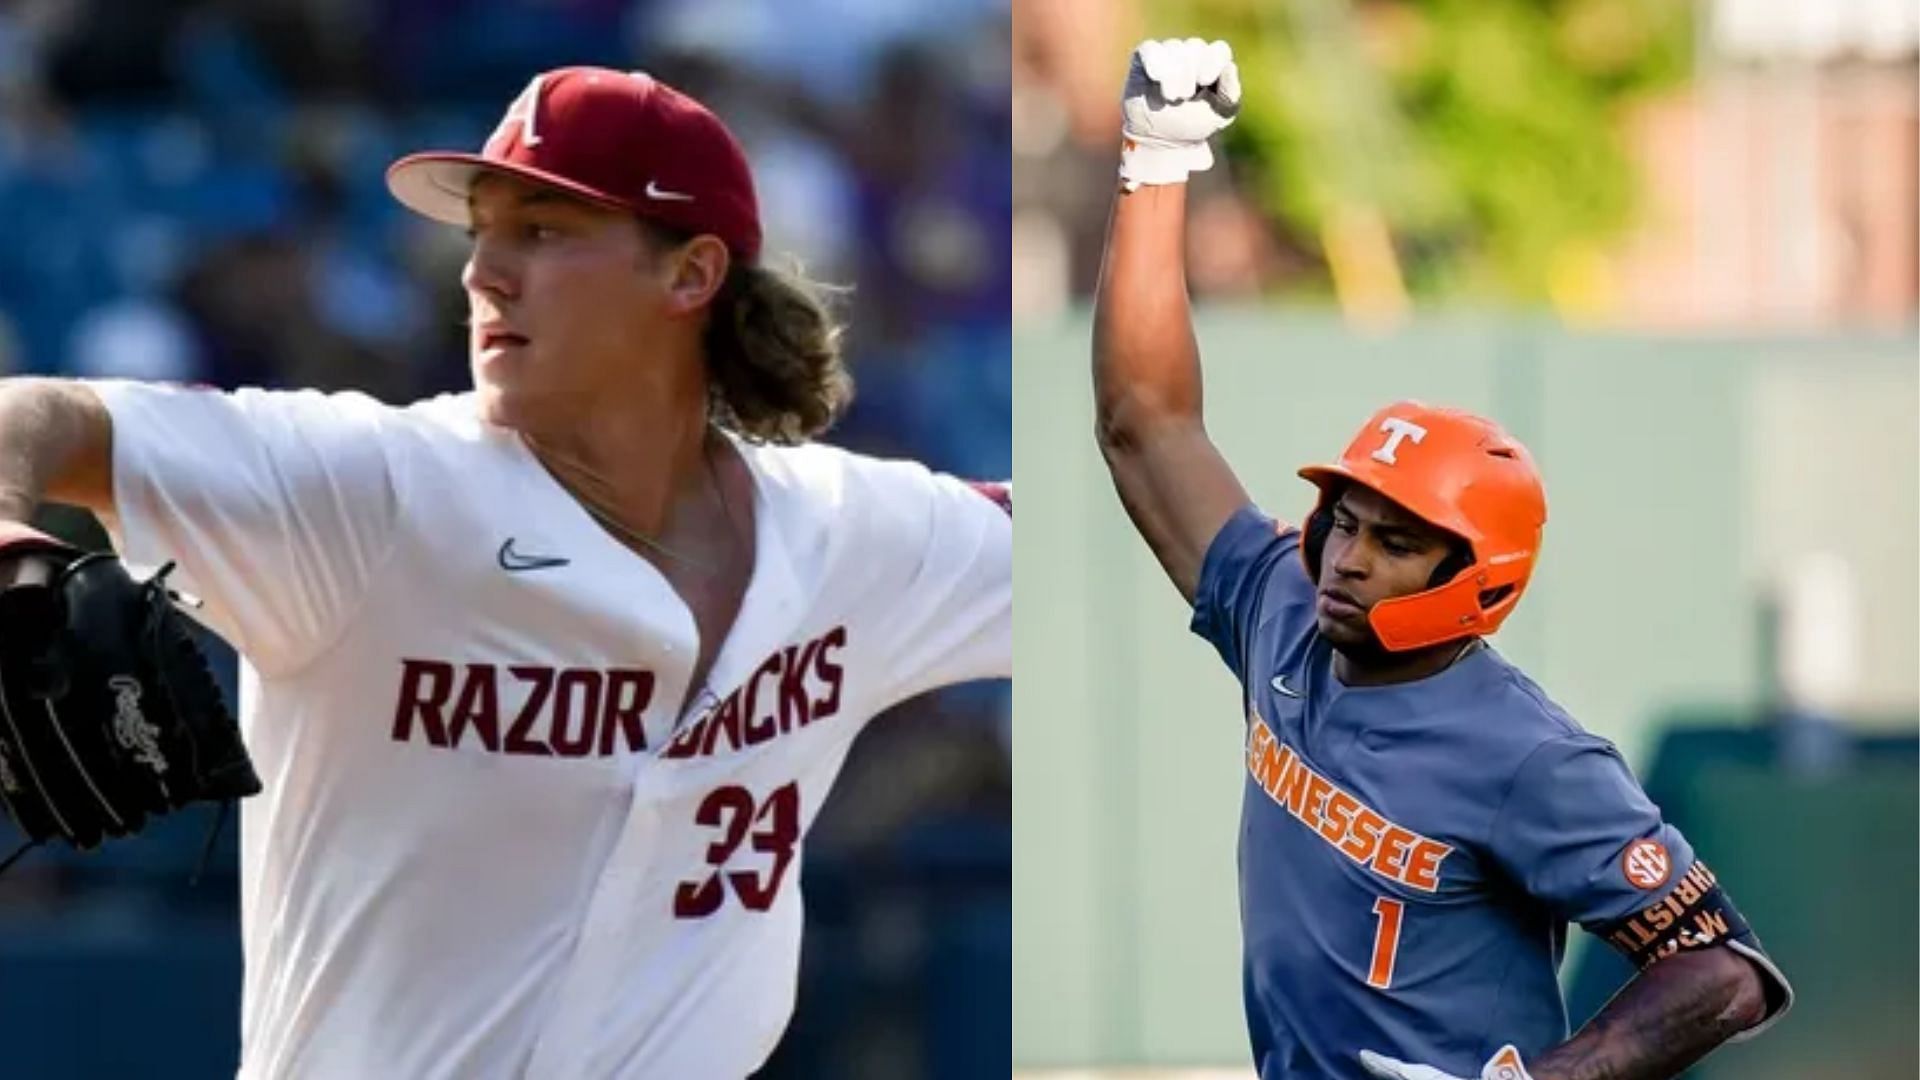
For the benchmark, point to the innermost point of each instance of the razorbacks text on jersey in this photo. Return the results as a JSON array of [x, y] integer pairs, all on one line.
[[1411, 854], [493, 843]]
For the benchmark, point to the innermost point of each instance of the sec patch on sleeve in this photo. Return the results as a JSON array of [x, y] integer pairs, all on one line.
[[1646, 864]]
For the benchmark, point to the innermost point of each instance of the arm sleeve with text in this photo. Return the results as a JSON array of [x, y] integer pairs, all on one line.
[[1571, 819], [1250, 557], [277, 506], [951, 619]]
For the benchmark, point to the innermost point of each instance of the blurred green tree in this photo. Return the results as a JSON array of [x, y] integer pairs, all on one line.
[[1481, 139]]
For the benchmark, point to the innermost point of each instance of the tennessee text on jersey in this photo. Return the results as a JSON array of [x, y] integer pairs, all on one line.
[[1355, 829]]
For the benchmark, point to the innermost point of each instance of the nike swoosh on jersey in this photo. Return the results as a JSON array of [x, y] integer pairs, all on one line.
[[1280, 683], [513, 561]]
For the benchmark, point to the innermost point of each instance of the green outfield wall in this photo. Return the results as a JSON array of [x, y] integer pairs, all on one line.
[[1680, 475]]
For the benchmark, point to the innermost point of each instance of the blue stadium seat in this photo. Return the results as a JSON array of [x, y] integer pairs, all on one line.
[[82, 1003]]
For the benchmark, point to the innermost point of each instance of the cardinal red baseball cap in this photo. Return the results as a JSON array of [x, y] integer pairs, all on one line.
[[619, 138]]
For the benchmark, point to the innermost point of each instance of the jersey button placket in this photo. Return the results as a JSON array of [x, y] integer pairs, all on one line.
[[566, 1047]]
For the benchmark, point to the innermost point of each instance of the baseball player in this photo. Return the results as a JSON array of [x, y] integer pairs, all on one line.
[[1420, 821], [545, 682]]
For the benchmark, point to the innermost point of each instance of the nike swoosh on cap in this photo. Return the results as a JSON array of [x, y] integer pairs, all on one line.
[[655, 191]]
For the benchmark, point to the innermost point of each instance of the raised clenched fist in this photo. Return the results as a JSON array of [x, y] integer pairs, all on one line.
[[1179, 94]]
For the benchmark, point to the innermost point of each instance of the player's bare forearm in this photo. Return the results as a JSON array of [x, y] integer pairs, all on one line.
[[1670, 1016], [1146, 368], [1146, 376], [55, 443]]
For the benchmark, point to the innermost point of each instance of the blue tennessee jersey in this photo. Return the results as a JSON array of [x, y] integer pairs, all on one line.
[[1410, 855]]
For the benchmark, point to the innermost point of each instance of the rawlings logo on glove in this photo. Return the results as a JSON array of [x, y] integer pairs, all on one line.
[[130, 724], [1178, 95], [108, 714]]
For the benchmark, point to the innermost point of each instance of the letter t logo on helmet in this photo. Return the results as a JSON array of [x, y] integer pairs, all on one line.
[[1397, 430]]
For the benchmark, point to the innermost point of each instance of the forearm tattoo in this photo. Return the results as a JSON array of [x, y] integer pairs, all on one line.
[[1669, 1017]]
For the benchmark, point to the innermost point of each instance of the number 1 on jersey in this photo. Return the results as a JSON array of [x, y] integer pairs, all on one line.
[[1386, 941]]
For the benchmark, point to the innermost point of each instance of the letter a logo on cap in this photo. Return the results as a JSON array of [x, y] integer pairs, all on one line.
[[1397, 430], [525, 110]]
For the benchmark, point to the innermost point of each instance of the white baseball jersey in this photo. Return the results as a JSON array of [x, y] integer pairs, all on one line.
[[491, 845]]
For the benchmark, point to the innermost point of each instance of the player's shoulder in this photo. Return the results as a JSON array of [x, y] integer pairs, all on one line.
[[1514, 717], [259, 405], [352, 413], [451, 415], [847, 512], [836, 480], [1476, 731], [1255, 558], [1527, 702], [1251, 539], [448, 426], [810, 470]]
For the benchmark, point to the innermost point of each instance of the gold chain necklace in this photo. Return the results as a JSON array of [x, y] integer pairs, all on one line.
[[612, 524]]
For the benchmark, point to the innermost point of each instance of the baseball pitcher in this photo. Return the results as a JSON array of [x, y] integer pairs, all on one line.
[[544, 682]]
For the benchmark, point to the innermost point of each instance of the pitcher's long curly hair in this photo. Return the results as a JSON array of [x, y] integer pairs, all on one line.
[[774, 367], [775, 373]]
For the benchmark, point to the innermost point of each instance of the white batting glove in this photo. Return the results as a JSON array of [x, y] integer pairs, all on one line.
[[1179, 94], [1505, 1065]]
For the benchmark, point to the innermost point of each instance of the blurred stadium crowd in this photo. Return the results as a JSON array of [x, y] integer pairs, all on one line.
[[194, 191]]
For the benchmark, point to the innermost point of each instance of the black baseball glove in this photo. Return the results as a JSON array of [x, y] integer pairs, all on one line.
[[108, 714]]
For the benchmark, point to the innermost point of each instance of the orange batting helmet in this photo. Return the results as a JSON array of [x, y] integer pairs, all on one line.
[[1461, 473]]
